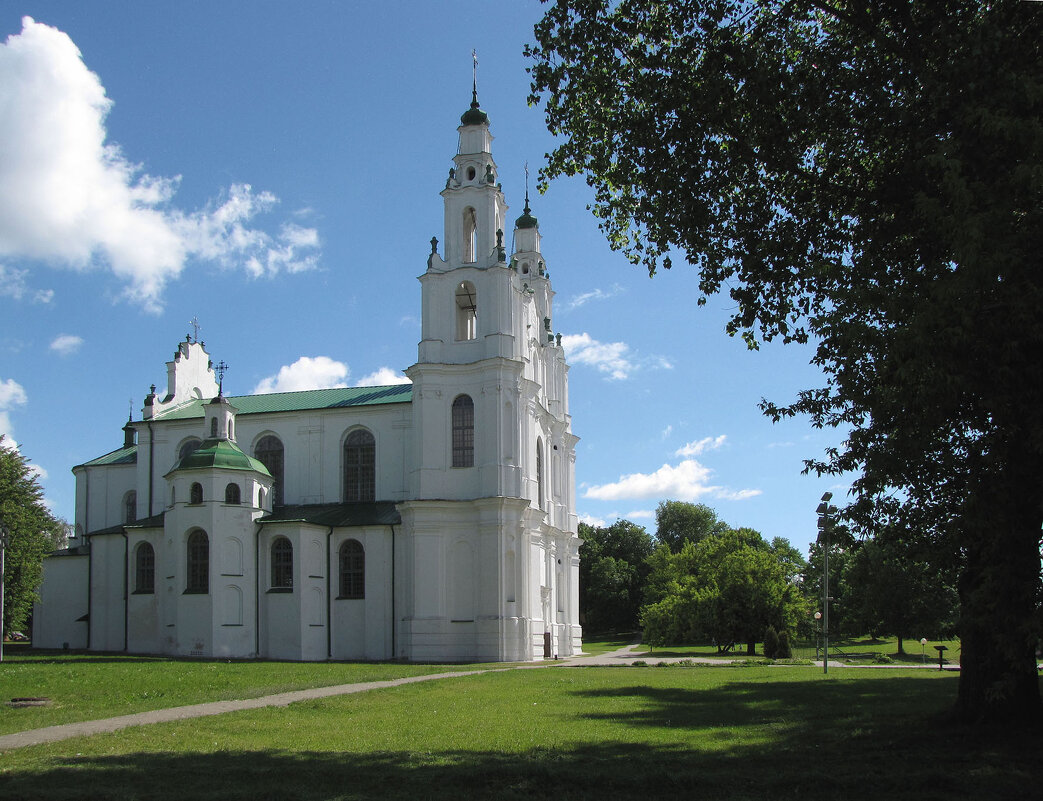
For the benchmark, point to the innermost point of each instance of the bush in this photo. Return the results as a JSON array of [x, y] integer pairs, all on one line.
[[784, 652], [771, 643]]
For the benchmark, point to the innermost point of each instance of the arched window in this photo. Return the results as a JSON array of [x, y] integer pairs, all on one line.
[[352, 570], [359, 466], [463, 432], [466, 311], [260, 497], [198, 562], [269, 452], [130, 507], [539, 472], [470, 235], [145, 569], [282, 564], [232, 494], [187, 447], [213, 426], [195, 494]]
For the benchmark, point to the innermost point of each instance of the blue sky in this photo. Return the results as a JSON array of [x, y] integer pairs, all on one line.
[[274, 170]]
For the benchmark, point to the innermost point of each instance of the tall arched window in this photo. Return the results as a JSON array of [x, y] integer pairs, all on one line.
[[539, 472], [145, 569], [352, 570], [213, 427], [466, 311], [269, 452], [463, 432], [360, 466], [187, 447], [130, 507], [470, 236], [195, 494], [282, 564], [198, 562], [232, 493]]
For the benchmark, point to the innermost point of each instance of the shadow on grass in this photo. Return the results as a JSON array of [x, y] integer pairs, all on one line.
[[806, 740]]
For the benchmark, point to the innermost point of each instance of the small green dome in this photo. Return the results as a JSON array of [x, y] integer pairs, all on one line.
[[221, 453], [474, 115], [526, 220]]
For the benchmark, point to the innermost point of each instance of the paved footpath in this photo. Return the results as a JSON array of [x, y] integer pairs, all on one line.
[[65, 731]]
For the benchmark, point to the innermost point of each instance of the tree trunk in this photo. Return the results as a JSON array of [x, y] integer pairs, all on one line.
[[998, 594], [751, 648], [901, 649]]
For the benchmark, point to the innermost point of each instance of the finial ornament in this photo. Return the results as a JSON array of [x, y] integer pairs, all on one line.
[[526, 187], [220, 368], [194, 322], [130, 410], [474, 79]]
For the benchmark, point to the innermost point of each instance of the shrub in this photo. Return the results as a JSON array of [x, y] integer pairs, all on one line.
[[771, 643], [784, 652]]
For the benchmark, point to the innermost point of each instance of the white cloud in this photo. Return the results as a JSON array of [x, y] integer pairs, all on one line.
[[383, 377], [69, 199], [14, 285], [66, 344], [641, 514], [607, 357], [686, 481], [590, 520], [701, 445], [12, 394], [320, 372], [586, 297], [667, 432]]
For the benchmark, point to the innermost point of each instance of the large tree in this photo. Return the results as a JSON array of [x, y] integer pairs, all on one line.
[[678, 522], [612, 571], [31, 530], [866, 175]]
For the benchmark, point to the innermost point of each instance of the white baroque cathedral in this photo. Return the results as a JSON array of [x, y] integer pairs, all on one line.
[[431, 521]]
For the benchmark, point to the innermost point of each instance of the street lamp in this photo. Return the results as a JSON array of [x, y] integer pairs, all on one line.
[[3, 547], [825, 514]]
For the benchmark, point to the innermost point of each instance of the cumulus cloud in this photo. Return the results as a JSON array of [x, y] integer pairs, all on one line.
[[701, 445], [591, 520], [611, 358], [12, 394], [319, 372], [66, 344], [383, 377], [70, 199], [614, 359], [687, 481], [641, 514]]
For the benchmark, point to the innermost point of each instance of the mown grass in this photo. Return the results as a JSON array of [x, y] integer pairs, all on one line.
[[92, 686], [860, 650], [569, 733], [595, 644]]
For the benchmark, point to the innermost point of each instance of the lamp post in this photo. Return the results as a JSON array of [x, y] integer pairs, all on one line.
[[825, 514], [3, 547]]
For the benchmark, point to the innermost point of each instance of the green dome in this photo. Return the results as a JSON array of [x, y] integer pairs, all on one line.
[[221, 453], [474, 115], [526, 220]]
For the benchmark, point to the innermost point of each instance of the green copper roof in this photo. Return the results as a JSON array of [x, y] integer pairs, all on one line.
[[127, 455], [474, 115], [526, 220], [221, 453], [301, 401], [337, 515]]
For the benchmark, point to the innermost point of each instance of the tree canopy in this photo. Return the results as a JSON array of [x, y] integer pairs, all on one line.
[[32, 532], [612, 573], [865, 176], [678, 522]]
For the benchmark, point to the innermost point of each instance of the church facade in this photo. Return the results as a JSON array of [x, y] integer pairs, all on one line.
[[429, 521]]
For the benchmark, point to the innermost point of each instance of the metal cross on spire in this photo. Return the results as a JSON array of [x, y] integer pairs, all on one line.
[[194, 322], [221, 368], [526, 187]]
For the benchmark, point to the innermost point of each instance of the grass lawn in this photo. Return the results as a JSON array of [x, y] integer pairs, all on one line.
[[603, 643], [568, 733], [860, 651], [92, 686]]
